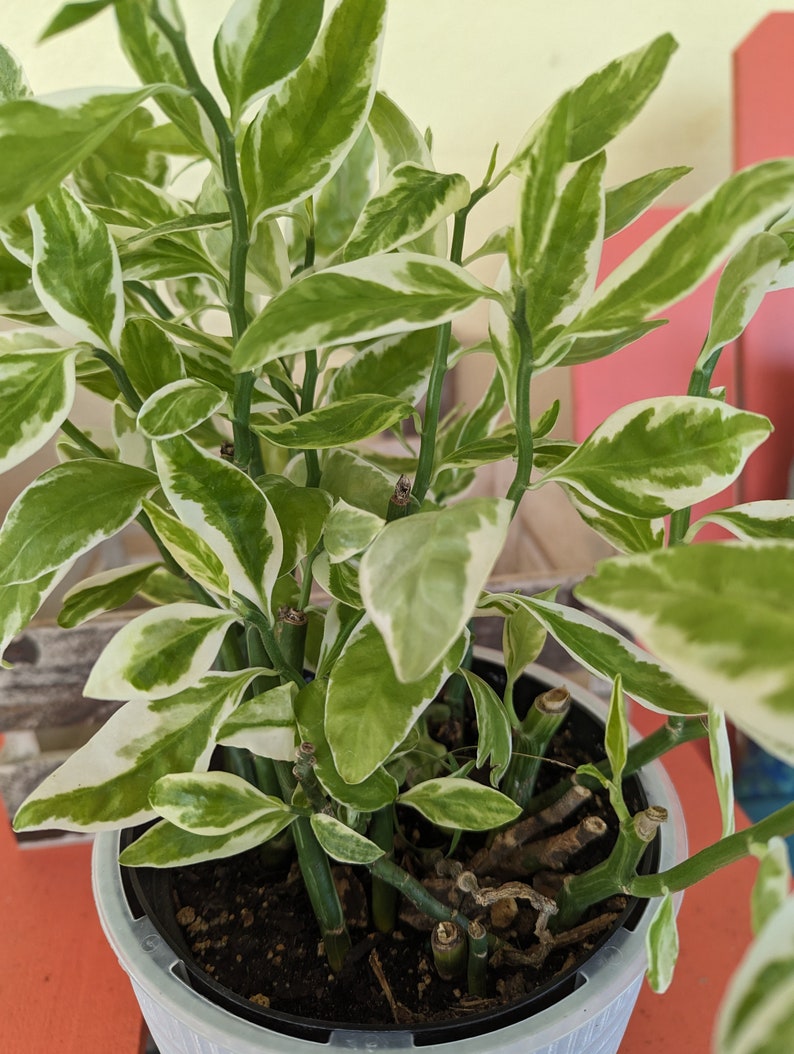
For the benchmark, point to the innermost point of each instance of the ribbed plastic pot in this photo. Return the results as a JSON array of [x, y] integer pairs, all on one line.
[[590, 1019]]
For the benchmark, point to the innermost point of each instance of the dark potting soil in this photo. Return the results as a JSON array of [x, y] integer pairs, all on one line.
[[256, 935]]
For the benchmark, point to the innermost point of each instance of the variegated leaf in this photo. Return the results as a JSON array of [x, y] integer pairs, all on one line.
[[339, 581], [757, 1013], [722, 768], [259, 43], [103, 592], [106, 782], [265, 725], [301, 512], [132, 445], [348, 531], [397, 366], [677, 258], [193, 554], [378, 790], [628, 534], [179, 407], [43, 140], [494, 737], [212, 803], [361, 732], [616, 731], [397, 138], [166, 845], [226, 508], [461, 804], [38, 383], [342, 843], [661, 943], [720, 616], [772, 882], [606, 654], [357, 301], [658, 455], [160, 652], [754, 519], [338, 424], [411, 201], [339, 204], [523, 637], [13, 82], [20, 601], [301, 136], [590, 348], [348, 476], [626, 203], [422, 576], [76, 269], [67, 511]]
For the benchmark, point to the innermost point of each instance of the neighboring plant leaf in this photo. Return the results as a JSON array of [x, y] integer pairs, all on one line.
[[43, 140], [657, 455], [38, 382], [342, 843], [370, 298], [259, 43], [338, 424], [494, 737], [305, 129], [265, 725], [103, 592], [71, 15], [179, 407], [101, 497], [757, 1013], [661, 942], [626, 203], [461, 804], [76, 270], [361, 732], [212, 803], [160, 653], [107, 781], [422, 576], [719, 615], [228, 510], [753, 520]]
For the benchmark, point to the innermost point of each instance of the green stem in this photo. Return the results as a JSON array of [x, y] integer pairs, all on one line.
[[726, 851], [123, 382], [81, 439], [384, 895], [150, 297], [477, 972], [285, 670], [523, 421], [537, 730]]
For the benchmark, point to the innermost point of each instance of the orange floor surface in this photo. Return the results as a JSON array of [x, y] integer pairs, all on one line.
[[62, 991]]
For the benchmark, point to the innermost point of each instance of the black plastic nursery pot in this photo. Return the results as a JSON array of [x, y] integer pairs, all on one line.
[[578, 998]]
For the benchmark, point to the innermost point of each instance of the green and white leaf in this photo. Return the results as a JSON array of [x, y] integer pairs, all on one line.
[[677, 258], [361, 732], [38, 384], [361, 300], [772, 882], [42, 140], [102, 592], [628, 534], [658, 455], [606, 654], [626, 203], [346, 475], [226, 508], [461, 804], [106, 782], [339, 423], [397, 366], [757, 1013], [212, 803], [752, 520], [411, 201], [722, 768], [76, 269], [259, 43], [422, 576], [302, 513], [179, 407], [494, 736], [349, 531], [523, 637], [719, 615], [193, 554], [101, 497], [598, 346], [13, 82], [305, 129], [133, 447], [166, 845], [160, 653], [616, 731], [661, 943], [20, 601], [342, 843], [338, 580], [265, 725]]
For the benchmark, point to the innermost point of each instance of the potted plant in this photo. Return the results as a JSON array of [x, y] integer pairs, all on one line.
[[303, 682]]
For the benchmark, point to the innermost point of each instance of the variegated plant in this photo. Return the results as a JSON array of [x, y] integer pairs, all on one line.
[[252, 336]]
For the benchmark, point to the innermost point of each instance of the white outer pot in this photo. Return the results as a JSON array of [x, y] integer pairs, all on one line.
[[590, 1020]]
